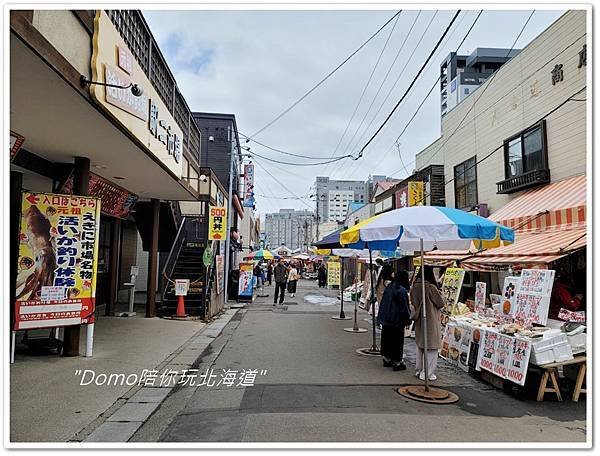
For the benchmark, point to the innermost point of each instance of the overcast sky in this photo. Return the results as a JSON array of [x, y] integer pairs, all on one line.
[[255, 64]]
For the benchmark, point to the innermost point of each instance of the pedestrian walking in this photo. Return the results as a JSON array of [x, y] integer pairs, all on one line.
[[280, 272], [258, 274], [434, 302], [270, 272], [293, 277], [394, 316], [322, 275]]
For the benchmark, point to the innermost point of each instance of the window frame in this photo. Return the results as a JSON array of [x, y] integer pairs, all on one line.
[[521, 136], [465, 184]]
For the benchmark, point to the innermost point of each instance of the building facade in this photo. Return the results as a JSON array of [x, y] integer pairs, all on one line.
[[289, 227], [524, 128], [460, 75], [324, 187]]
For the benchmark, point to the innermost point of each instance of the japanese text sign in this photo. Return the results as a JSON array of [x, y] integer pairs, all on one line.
[[249, 185], [532, 300], [246, 285], [416, 193], [58, 254], [480, 289], [217, 223], [181, 287], [333, 273]]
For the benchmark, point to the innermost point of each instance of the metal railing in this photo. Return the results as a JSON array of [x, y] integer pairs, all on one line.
[[172, 257], [523, 181]]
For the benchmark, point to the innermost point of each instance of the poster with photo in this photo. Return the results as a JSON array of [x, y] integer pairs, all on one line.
[[447, 333], [509, 292], [454, 338], [451, 286], [246, 281], [519, 361], [480, 289], [58, 260], [464, 347]]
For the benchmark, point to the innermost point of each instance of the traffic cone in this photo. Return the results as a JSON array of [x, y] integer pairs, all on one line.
[[180, 312]]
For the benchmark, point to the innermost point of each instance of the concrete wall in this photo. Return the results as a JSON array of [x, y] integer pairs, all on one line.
[[519, 95], [68, 35]]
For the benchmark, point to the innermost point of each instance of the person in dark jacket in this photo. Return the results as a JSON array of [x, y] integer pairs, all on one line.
[[280, 271], [394, 316], [322, 276], [270, 272]]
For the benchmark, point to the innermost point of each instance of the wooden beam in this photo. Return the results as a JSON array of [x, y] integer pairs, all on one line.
[[81, 186]]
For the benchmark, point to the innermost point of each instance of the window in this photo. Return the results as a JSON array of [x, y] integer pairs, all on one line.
[[526, 151], [465, 184]]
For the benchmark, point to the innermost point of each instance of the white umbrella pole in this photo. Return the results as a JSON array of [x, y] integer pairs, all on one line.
[[374, 347], [424, 317]]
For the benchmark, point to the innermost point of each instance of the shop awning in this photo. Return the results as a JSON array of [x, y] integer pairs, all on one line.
[[561, 203], [540, 247]]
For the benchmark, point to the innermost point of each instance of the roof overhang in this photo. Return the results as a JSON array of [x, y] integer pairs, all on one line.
[[58, 124]]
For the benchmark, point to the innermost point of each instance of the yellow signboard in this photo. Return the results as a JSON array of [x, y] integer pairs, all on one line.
[[333, 274], [58, 255], [416, 194], [217, 223]]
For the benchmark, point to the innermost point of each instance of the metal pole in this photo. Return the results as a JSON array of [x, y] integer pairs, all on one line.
[[355, 326], [424, 317], [228, 233], [342, 315], [374, 347], [317, 198]]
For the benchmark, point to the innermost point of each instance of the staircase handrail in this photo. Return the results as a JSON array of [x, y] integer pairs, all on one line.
[[177, 243]]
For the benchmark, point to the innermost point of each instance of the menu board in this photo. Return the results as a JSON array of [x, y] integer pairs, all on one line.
[[333, 274], [488, 352], [532, 300], [453, 280], [480, 289], [504, 348], [519, 360]]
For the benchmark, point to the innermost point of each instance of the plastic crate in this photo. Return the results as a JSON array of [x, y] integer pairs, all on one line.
[[562, 352], [544, 356]]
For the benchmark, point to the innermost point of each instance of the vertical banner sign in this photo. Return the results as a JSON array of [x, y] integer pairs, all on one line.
[[333, 273], [220, 275], [453, 280], [480, 289], [217, 223], [402, 198], [245, 287], [416, 194], [58, 255], [249, 185], [532, 300]]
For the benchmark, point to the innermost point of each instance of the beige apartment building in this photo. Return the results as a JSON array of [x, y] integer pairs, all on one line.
[[517, 131]]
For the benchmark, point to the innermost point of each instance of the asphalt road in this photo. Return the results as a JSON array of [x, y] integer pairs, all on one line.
[[316, 388]]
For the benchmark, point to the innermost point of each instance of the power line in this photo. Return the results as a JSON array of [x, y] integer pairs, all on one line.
[[357, 166], [492, 105], [282, 185], [501, 146], [366, 87], [410, 86], [293, 105], [283, 151], [254, 154], [489, 82], [350, 142]]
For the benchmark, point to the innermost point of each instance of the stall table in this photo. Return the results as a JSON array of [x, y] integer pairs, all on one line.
[[550, 373]]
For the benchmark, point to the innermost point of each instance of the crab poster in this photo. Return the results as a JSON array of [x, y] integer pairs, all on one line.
[[58, 254], [509, 292]]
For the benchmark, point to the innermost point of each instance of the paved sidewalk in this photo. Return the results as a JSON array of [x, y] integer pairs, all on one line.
[[47, 402]]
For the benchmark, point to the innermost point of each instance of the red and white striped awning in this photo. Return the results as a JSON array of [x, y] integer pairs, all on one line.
[[561, 203], [539, 247]]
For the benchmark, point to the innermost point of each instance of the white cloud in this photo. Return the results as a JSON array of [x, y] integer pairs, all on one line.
[[256, 63]]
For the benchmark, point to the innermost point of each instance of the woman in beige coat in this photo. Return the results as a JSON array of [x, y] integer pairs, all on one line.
[[434, 303]]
